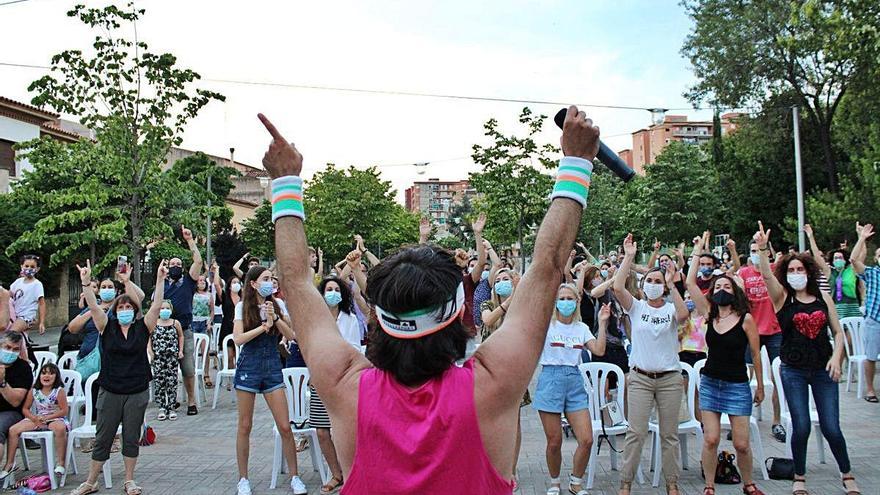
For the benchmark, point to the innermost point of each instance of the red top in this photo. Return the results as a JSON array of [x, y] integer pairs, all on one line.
[[760, 304], [422, 441]]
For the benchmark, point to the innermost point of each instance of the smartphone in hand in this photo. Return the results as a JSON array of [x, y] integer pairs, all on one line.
[[122, 264]]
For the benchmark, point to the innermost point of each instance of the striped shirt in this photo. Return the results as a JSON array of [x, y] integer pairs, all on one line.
[[871, 277]]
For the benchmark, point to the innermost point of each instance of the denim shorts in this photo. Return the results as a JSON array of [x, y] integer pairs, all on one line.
[[560, 389], [871, 336], [257, 375], [723, 397], [772, 342], [199, 326]]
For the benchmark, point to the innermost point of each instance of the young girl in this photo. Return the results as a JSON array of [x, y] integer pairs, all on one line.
[[201, 306], [560, 387], [166, 346], [44, 409], [27, 297]]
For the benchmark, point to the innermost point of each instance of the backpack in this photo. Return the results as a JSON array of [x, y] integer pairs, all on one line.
[[726, 473]]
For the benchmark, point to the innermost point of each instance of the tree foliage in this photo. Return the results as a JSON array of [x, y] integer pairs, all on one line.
[[514, 184], [258, 232], [138, 103]]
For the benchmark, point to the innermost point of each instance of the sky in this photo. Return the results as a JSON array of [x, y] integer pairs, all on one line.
[[604, 52]]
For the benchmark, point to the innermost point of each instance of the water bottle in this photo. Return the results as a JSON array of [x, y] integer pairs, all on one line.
[[26, 491], [627, 345]]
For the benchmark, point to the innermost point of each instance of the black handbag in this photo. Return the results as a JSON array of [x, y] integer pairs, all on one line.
[[780, 468], [726, 472]]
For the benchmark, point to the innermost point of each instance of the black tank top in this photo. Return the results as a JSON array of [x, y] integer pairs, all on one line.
[[727, 353], [805, 340]]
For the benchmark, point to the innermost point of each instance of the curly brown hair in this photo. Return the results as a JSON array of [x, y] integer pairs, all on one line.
[[781, 273]]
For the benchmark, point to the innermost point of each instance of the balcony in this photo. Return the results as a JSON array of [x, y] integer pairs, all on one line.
[[699, 133]]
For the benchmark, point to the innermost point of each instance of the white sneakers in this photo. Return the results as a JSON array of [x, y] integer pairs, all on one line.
[[298, 487], [296, 484], [244, 487]]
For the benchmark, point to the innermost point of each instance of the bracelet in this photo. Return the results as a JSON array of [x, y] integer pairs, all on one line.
[[763, 249], [502, 309], [573, 180], [287, 198]]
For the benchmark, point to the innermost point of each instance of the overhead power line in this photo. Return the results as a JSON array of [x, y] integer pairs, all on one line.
[[12, 2]]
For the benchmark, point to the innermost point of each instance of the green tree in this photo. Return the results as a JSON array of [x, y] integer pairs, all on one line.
[[745, 52], [138, 103], [187, 195], [461, 216], [17, 218], [603, 223], [513, 185], [258, 232], [340, 203]]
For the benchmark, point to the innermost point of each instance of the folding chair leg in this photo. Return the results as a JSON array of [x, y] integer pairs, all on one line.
[[657, 457], [758, 447], [108, 479], [820, 444], [276, 461], [591, 466]]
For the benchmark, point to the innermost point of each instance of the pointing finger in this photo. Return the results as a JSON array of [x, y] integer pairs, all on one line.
[[270, 127]]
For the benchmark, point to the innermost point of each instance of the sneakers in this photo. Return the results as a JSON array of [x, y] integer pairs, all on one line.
[[778, 433], [59, 470], [162, 416], [298, 487], [244, 487], [172, 415]]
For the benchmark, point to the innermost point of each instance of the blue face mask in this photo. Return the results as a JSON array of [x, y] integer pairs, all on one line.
[[503, 288], [125, 316], [107, 295], [566, 307], [484, 275], [604, 273], [164, 314], [690, 305], [29, 272], [265, 288], [332, 298], [7, 357], [756, 259], [706, 271]]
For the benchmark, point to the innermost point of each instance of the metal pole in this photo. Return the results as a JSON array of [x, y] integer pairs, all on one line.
[[802, 246], [208, 250]]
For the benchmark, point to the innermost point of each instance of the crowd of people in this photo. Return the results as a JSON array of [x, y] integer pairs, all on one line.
[[413, 355]]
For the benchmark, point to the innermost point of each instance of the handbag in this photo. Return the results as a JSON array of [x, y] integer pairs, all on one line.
[[148, 436], [38, 482], [90, 364], [726, 472], [779, 468]]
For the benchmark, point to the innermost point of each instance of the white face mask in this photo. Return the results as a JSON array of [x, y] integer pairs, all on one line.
[[756, 259], [653, 291], [797, 281]]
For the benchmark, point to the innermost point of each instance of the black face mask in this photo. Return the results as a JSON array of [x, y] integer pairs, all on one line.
[[175, 272], [722, 298]]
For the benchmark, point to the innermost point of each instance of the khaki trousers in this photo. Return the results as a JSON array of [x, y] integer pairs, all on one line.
[[643, 393]]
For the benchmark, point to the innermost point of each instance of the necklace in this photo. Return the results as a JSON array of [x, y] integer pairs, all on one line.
[[728, 315]]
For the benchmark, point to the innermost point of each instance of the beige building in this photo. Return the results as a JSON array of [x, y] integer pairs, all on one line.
[[434, 198], [649, 142]]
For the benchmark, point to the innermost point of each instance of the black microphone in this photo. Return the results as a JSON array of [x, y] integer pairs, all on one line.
[[605, 155]]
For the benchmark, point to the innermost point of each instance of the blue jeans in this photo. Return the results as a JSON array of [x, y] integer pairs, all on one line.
[[795, 383]]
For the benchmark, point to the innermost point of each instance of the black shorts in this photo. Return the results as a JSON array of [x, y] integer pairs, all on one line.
[[691, 357]]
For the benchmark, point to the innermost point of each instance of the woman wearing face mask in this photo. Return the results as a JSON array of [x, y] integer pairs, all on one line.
[[125, 377], [809, 362], [201, 306], [724, 386], [229, 300], [493, 312], [845, 287], [260, 322], [656, 380], [338, 297], [615, 350], [166, 347], [560, 386]]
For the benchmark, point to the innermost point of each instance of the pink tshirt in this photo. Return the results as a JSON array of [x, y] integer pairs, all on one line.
[[760, 304], [424, 440]]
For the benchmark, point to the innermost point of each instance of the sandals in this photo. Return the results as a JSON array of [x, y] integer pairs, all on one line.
[[672, 486], [850, 492], [574, 480], [625, 485], [85, 488], [872, 399], [799, 491], [555, 487], [130, 488], [708, 490], [753, 490], [332, 486]]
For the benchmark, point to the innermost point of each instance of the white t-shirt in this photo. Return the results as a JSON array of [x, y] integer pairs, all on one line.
[[654, 337], [239, 310], [350, 328], [564, 343], [25, 297]]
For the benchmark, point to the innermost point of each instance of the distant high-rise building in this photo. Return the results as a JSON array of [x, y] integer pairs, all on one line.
[[434, 198], [649, 142]]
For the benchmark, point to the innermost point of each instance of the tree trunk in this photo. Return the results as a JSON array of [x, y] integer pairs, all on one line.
[[828, 154], [92, 252], [522, 251]]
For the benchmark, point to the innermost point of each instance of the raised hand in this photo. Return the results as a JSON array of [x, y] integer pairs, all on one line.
[[580, 138], [359, 242], [125, 276], [461, 258], [85, 272], [670, 273], [487, 245], [731, 244], [865, 231], [353, 259], [761, 237], [162, 271], [629, 246], [187, 234], [424, 227], [479, 224], [605, 313], [809, 230], [282, 157]]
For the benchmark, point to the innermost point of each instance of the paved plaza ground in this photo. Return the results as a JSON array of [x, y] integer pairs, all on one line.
[[196, 455]]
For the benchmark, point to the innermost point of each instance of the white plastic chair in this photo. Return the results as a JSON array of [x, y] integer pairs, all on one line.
[[767, 378], [68, 360], [684, 429], [595, 377], [225, 371], [856, 354], [42, 358], [215, 341], [85, 431], [754, 432], [296, 387], [75, 398], [200, 350], [785, 415]]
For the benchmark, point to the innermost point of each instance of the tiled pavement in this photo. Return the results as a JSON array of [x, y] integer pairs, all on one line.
[[196, 455]]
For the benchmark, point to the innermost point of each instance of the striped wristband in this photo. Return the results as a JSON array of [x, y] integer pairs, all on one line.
[[573, 179], [287, 198]]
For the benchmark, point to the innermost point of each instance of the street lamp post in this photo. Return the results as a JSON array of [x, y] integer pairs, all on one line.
[[799, 178]]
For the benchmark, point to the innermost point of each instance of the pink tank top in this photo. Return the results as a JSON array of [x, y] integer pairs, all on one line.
[[424, 440]]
